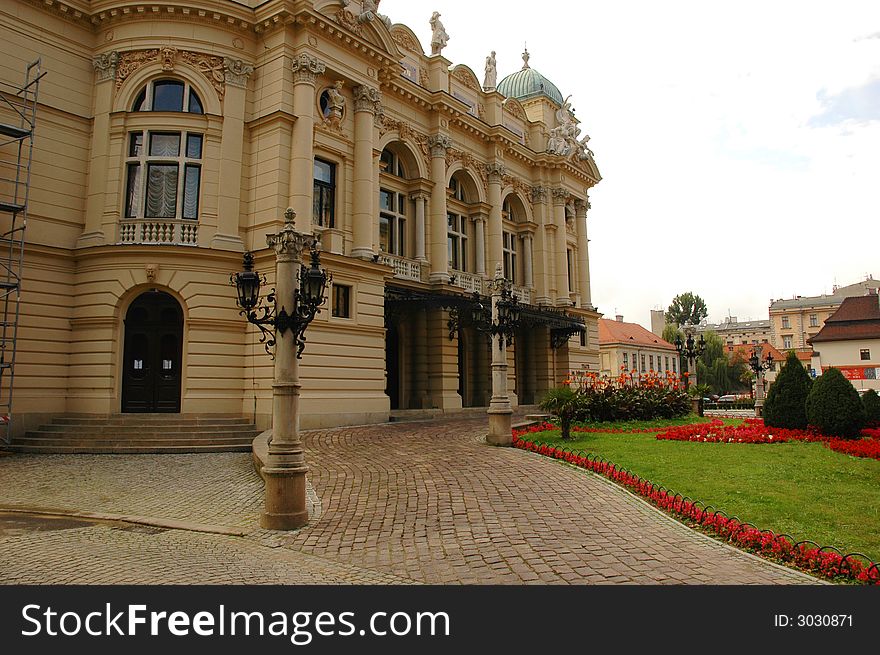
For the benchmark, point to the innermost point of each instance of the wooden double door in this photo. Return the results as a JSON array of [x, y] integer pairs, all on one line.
[[153, 354]]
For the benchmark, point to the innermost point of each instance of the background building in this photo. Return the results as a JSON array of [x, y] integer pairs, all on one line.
[[629, 346], [794, 321], [734, 332], [850, 341], [170, 139]]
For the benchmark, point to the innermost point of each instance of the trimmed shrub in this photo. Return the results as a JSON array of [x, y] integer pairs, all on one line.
[[871, 402], [833, 405], [785, 405]]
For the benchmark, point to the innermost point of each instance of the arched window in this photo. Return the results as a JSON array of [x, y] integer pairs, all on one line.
[[457, 223], [393, 203], [168, 95]]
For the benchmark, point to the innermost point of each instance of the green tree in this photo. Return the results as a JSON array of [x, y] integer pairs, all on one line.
[[562, 402], [833, 405], [785, 406], [671, 332], [686, 308], [871, 401]]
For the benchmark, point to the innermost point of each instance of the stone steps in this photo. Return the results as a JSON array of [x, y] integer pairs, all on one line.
[[139, 433]]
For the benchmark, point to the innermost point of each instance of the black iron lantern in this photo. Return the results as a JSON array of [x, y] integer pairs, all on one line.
[[313, 281], [247, 284], [759, 366]]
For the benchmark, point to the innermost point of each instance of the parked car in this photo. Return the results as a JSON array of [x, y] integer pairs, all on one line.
[[728, 398]]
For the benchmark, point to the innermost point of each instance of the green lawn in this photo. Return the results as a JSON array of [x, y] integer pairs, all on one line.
[[803, 489]]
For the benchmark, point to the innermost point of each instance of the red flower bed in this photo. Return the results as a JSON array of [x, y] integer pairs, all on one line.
[[874, 433], [808, 556]]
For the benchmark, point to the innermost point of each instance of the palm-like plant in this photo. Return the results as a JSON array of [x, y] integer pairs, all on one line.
[[561, 402]]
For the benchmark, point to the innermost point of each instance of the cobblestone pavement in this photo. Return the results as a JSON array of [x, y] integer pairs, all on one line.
[[408, 502]]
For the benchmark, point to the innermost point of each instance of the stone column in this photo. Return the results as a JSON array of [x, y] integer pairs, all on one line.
[[496, 171], [306, 69], [285, 468], [439, 144], [528, 277], [583, 257], [543, 263], [419, 199], [366, 104], [105, 69], [480, 244], [561, 247], [228, 237], [500, 409]]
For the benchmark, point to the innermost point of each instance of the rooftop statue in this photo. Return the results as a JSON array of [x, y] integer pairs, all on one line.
[[439, 37], [491, 73]]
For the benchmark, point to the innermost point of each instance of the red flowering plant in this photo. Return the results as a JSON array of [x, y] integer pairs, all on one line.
[[827, 562], [629, 396], [755, 432]]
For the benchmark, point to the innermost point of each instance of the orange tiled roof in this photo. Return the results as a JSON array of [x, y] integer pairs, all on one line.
[[629, 334]]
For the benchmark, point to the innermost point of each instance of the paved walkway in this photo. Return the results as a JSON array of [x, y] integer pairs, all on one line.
[[409, 502]]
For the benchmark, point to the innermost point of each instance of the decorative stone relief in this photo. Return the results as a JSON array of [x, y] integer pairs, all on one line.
[[495, 171], [335, 106], [367, 98], [477, 167], [306, 68], [464, 76], [439, 144], [559, 196], [515, 109], [518, 185], [539, 195], [405, 40], [236, 72], [406, 133], [370, 12], [105, 65], [563, 140], [349, 21], [211, 67], [168, 56], [423, 77]]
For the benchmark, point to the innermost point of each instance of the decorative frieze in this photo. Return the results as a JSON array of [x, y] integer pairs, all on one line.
[[236, 72], [306, 68], [105, 65], [168, 56]]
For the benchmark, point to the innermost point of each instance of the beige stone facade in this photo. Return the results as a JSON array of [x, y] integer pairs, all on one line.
[[171, 138], [734, 332]]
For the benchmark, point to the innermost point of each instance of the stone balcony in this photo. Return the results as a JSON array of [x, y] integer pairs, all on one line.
[[159, 232], [404, 269], [467, 281]]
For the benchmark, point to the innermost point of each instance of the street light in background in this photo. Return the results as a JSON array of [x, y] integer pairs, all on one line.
[[282, 320], [759, 366], [502, 326], [690, 350]]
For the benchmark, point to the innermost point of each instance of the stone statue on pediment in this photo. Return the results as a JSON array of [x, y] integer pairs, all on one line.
[[491, 73], [439, 37]]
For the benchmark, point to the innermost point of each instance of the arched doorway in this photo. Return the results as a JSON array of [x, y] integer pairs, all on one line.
[[152, 354]]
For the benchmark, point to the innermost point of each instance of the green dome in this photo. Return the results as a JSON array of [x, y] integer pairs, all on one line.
[[527, 83]]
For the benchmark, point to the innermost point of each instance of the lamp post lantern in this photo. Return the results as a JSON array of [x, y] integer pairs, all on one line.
[[289, 308], [690, 349], [504, 321], [759, 366]]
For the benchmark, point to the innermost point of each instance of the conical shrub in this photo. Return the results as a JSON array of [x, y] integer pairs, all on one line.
[[834, 406], [871, 402], [785, 405]]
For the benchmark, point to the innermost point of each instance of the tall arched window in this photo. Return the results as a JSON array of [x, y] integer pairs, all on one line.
[[457, 227], [393, 203]]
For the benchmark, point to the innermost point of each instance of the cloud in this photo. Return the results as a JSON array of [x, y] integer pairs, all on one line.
[[859, 103]]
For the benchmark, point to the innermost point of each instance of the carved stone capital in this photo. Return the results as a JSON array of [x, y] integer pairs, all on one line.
[[439, 144], [105, 65], [581, 207], [288, 244], [236, 72], [306, 68], [559, 196], [539, 195], [367, 98], [495, 171]]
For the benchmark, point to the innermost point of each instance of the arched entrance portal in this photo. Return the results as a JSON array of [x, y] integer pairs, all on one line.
[[153, 354]]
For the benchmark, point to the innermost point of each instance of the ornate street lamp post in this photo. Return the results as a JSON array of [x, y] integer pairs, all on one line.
[[289, 309], [690, 350], [759, 366], [502, 327]]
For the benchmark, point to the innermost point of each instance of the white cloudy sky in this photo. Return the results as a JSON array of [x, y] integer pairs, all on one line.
[[739, 143]]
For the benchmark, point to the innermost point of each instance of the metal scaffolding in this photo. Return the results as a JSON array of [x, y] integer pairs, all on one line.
[[18, 115]]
